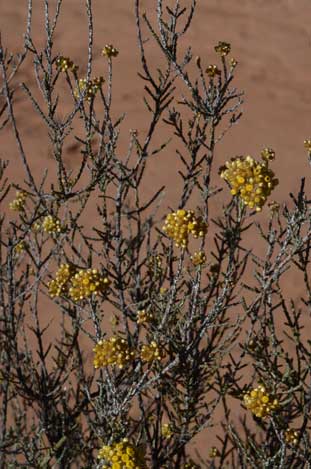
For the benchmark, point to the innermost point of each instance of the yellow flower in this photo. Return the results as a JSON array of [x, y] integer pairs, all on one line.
[[212, 71], [60, 285], [90, 88], [51, 225], [260, 402], [144, 316], [18, 203], [291, 436], [151, 352], [307, 144], [114, 351], [223, 48], [198, 258], [178, 226], [109, 51], [252, 181], [122, 455], [167, 431], [86, 283], [64, 64]]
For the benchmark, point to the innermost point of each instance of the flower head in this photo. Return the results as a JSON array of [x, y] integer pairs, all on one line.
[[178, 226], [60, 285], [114, 351], [19, 202], [260, 402], [291, 436], [64, 64], [212, 71], [122, 455], [198, 258], [90, 88], [109, 51], [251, 180], [307, 144], [151, 352], [51, 225], [86, 283], [223, 48]]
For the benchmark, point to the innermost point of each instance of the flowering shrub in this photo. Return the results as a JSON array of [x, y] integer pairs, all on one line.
[[164, 340]]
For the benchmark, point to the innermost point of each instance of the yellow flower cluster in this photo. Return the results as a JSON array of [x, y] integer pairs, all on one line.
[[223, 48], [18, 203], [90, 88], [109, 51], [20, 247], [260, 402], [114, 351], [60, 285], [213, 452], [233, 64], [198, 258], [167, 431], [291, 436], [178, 226], [252, 181], [307, 144], [212, 71], [64, 64], [151, 352], [154, 264], [122, 455], [51, 224], [191, 465], [144, 316], [86, 283], [79, 285]]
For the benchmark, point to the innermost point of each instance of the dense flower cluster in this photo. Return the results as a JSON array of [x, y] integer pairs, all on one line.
[[260, 402], [144, 316], [154, 264], [178, 226], [291, 436], [167, 431], [64, 64], [20, 247], [191, 465], [198, 258], [307, 144], [151, 352], [122, 455], [212, 71], [252, 181], [86, 283], [213, 452], [223, 48], [51, 224], [109, 51], [89, 88], [19, 202], [60, 285], [114, 351]]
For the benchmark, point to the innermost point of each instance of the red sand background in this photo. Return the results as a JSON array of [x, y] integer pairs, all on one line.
[[271, 39]]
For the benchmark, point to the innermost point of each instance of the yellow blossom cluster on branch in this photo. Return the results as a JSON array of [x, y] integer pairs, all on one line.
[[114, 351], [251, 180], [77, 284], [109, 51], [19, 202], [89, 88], [144, 316], [65, 64], [151, 352], [260, 402], [179, 225], [86, 283], [223, 48], [51, 225], [122, 455], [291, 436], [198, 258]]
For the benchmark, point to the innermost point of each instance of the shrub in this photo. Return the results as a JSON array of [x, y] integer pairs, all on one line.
[[192, 333]]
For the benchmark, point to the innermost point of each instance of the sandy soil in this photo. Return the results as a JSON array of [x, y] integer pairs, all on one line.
[[270, 39]]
